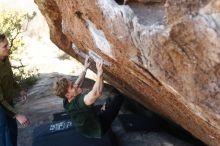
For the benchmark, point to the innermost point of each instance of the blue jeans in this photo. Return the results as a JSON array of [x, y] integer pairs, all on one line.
[[8, 129]]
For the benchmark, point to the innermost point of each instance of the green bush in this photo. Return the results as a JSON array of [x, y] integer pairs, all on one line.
[[13, 24]]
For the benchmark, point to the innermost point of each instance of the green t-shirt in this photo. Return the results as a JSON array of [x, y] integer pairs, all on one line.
[[84, 117], [8, 87]]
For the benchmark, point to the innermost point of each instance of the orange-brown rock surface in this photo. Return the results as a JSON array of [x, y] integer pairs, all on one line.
[[164, 54]]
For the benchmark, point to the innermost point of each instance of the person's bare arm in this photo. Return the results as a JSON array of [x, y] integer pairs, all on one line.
[[96, 91], [81, 77]]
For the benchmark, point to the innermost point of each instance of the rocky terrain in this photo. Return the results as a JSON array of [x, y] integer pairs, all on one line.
[[163, 54], [42, 104]]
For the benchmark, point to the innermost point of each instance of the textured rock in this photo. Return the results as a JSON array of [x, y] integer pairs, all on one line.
[[165, 55]]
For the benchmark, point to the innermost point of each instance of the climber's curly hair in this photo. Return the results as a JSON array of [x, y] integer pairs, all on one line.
[[60, 87]]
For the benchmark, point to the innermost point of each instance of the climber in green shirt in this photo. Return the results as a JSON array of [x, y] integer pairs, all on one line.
[[8, 90], [91, 121]]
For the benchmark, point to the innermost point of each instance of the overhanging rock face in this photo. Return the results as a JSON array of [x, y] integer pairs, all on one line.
[[164, 54]]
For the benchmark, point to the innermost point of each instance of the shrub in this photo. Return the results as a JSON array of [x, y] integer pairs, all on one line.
[[13, 24]]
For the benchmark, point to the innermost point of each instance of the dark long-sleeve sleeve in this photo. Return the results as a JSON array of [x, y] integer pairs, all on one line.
[[11, 110]]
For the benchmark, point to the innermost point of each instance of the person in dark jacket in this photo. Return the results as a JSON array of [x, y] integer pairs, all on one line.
[[8, 90]]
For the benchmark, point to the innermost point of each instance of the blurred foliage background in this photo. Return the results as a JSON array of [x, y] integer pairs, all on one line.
[[13, 24]]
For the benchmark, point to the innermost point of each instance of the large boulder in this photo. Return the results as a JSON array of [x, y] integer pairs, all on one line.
[[163, 54]]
